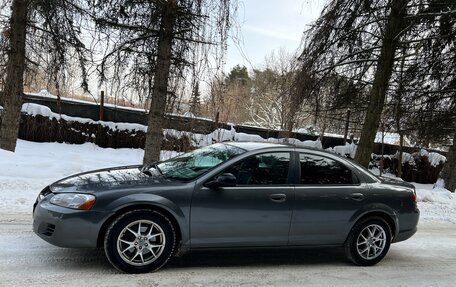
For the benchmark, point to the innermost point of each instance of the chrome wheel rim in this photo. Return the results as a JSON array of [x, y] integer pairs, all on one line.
[[141, 242], [371, 242]]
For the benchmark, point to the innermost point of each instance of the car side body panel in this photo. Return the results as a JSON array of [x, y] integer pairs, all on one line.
[[242, 216]]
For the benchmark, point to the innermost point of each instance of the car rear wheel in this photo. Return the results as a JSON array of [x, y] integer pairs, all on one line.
[[139, 241], [368, 242]]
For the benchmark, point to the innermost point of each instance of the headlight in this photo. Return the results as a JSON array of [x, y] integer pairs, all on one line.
[[74, 200]]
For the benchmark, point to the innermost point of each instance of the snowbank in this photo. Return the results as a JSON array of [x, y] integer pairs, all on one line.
[[35, 109], [197, 140], [434, 158], [344, 150], [222, 135]]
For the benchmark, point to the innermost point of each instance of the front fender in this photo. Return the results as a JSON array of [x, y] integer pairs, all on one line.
[[152, 200]]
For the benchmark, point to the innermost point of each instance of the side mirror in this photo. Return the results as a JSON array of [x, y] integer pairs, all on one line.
[[223, 180]]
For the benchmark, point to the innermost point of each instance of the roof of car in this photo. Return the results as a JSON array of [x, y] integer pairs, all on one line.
[[256, 145], [260, 145]]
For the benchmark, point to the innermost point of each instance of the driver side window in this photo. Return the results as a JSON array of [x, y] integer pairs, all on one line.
[[262, 169]]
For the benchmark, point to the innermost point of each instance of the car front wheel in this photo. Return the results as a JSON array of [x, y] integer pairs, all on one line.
[[368, 242], [139, 241]]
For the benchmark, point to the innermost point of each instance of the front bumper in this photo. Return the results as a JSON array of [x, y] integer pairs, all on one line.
[[66, 227]]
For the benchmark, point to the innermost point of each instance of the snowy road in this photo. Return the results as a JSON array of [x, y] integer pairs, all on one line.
[[428, 259]]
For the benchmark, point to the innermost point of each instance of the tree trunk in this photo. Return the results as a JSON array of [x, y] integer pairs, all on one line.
[[12, 98], [317, 110], [385, 63], [398, 113], [448, 173], [154, 135]]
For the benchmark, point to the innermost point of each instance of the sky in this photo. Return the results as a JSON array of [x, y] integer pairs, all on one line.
[[269, 25], [263, 26]]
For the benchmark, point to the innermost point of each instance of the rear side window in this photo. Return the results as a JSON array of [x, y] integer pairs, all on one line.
[[322, 170]]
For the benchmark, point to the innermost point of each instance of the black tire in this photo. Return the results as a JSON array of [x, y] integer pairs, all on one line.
[[375, 248], [157, 248]]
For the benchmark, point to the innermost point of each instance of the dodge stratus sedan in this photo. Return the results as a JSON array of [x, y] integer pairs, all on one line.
[[227, 195]]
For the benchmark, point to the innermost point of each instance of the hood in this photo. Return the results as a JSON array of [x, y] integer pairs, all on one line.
[[109, 179]]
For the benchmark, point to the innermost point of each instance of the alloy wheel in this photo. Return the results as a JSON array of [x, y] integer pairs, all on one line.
[[141, 242], [371, 242]]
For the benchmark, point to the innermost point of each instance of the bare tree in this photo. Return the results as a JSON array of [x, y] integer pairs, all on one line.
[[271, 88], [151, 45]]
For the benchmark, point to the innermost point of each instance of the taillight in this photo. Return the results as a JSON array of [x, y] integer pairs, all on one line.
[[414, 195]]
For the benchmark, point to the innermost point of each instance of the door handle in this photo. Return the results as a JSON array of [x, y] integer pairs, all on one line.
[[357, 196], [278, 197]]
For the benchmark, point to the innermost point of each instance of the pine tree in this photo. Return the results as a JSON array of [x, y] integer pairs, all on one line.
[[238, 75], [366, 42], [12, 97], [195, 101], [41, 35], [155, 46]]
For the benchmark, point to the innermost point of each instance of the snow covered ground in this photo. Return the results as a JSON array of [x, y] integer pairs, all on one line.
[[34, 165], [427, 259]]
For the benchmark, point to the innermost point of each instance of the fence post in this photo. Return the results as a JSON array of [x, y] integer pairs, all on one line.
[[347, 121], [382, 161], [217, 115], [101, 105]]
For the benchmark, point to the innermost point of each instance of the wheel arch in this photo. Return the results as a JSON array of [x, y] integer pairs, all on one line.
[[390, 219], [180, 235]]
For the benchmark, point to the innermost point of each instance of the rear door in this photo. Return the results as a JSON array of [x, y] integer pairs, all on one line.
[[327, 195]]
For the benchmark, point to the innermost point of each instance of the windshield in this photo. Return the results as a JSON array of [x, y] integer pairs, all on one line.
[[192, 164]]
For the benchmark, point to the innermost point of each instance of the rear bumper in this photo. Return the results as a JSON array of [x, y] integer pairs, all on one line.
[[65, 227], [404, 235], [408, 225]]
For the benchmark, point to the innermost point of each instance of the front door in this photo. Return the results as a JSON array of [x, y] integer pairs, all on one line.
[[256, 212]]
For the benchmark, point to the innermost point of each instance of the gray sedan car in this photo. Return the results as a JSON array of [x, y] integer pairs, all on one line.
[[227, 195]]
